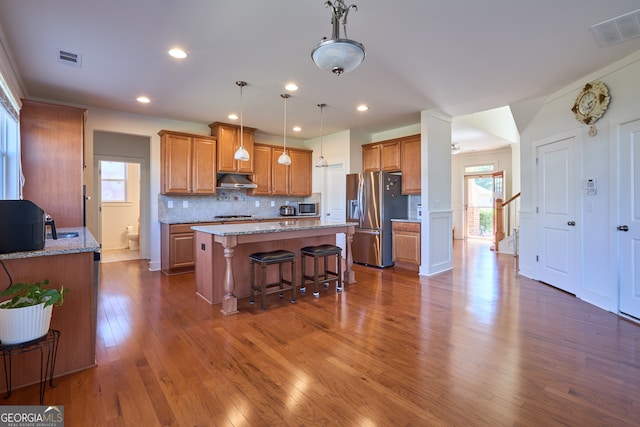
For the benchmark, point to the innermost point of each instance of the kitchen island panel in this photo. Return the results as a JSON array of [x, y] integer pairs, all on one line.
[[75, 319]]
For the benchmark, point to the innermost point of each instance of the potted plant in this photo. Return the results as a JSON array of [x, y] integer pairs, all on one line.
[[27, 315]]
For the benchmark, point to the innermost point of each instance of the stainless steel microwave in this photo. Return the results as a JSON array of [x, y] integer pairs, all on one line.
[[307, 208]]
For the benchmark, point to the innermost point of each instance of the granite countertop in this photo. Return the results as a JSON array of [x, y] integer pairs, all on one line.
[[269, 227], [248, 219], [406, 220], [85, 242]]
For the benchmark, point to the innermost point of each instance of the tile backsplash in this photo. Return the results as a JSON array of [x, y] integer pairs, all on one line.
[[225, 202]]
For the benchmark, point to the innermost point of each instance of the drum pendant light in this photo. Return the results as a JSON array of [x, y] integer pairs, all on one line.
[[284, 158], [241, 153]]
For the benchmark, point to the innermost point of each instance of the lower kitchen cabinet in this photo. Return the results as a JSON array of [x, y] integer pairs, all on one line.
[[406, 244], [177, 252]]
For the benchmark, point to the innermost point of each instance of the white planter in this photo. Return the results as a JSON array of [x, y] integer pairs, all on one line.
[[18, 325]]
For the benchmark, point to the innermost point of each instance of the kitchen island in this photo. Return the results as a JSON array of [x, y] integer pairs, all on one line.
[[222, 253], [69, 261]]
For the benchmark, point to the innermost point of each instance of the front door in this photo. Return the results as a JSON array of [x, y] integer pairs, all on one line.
[[629, 218], [557, 189]]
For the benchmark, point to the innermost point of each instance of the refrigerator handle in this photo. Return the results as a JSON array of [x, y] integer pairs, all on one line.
[[360, 190]]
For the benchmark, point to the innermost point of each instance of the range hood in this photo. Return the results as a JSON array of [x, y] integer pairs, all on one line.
[[231, 180]]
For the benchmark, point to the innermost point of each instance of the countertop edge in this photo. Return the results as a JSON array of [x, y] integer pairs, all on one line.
[[85, 242]]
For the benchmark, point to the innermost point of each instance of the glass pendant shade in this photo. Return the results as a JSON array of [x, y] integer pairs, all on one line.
[[284, 159], [241, 153], [338, 56]]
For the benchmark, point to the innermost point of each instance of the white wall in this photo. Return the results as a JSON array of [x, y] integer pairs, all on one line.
[[598, 272]]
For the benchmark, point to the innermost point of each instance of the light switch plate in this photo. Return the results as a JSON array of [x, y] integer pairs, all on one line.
[[257, 203], [170, 204], [185, 203]]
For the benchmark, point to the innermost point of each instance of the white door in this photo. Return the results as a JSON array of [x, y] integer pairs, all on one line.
[[629, 218], [335, 189], [557, 231], [335, 186]]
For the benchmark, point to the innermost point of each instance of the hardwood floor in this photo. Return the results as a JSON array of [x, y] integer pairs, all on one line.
[[477, 346]]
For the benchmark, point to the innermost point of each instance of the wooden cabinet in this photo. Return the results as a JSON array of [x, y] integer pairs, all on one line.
[[273, 178], [406, 244], [228, 136], [300, 172], [187, 163], [371, 158], [411, 165], [399, 154], [177, 250], [261, 170], [52, 139], [382, 156]]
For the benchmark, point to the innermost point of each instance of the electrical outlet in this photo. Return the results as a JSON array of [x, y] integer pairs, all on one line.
[[185, 204], [273, 204], [286, 203], [170, 204], [257, 203]]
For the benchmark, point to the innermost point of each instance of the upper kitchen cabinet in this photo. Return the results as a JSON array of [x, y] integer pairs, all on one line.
[[274, 179], [411, 163], [381, 156], [261, 170], [187, 163], [300, 172], [228, 136], [52, 139]]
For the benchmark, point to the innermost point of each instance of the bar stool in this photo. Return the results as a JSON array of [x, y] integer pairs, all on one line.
[[322, 251], [279, 257]]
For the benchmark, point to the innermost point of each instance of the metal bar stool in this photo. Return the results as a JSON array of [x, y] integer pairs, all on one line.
[[279, 257], [322, 251]]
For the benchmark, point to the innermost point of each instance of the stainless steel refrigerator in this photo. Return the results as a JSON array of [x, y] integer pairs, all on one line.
[[373, 198]]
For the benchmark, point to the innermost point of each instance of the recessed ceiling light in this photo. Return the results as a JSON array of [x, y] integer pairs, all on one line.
[[291, 86], [362, 107], [143, 99], [178, 53], [233, 116], [297, 128]]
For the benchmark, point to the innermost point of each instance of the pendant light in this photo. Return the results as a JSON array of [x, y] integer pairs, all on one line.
[[338, 55], [284, 158], [241, 153], [322, 162]]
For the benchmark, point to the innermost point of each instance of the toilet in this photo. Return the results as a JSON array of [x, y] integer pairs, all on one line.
[[132, 238]]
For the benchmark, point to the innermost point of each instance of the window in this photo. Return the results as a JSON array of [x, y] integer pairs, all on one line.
[[479, 168], [113, 176], [9, 155]]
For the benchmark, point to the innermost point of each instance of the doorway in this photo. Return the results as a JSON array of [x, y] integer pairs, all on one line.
[[126, 148], [479, 207], [119, 210]]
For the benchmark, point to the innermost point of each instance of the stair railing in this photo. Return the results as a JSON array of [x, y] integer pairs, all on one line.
[[506, 222]]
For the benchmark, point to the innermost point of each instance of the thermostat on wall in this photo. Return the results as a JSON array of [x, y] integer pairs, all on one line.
[[591, 186]]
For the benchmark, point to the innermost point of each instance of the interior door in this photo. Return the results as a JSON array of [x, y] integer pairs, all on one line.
[[629, 218], [557, 187]]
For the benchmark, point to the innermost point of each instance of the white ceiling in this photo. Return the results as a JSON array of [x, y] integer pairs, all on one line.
[[458, 57]]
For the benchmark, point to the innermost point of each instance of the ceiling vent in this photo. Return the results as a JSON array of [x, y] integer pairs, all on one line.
[[69, 58], [617, 30]]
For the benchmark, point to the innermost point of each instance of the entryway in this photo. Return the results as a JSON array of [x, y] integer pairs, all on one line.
[[479, 206], [122, 188]]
